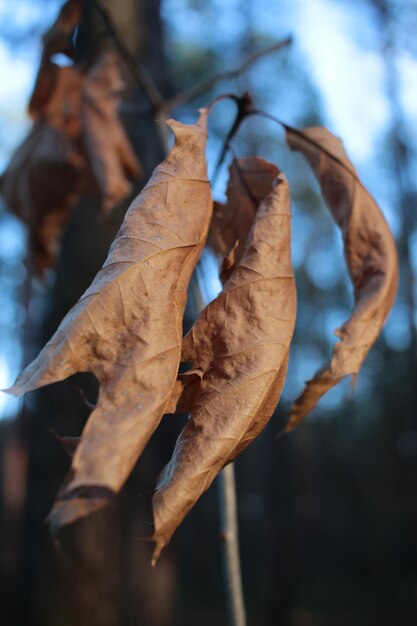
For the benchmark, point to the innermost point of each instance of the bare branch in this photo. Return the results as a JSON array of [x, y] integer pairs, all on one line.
[[198, 90], [139, 74], [229, 535], [147, 84]]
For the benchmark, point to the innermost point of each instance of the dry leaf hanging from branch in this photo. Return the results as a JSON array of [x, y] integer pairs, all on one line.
[[127, 327], [370, 254], [43, 180], [108, 149], [77, 132], [44, 177], [238, 348], [250, 180], [58, 39]]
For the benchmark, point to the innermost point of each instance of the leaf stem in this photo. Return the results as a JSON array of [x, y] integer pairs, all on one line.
[[244, 109], [304, 137]]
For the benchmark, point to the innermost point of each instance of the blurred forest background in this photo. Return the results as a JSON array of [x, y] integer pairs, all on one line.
[[328, 514]]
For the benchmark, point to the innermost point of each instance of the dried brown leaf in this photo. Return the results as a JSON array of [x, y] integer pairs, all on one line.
[[44, 177], [78, 131], [238, 348], [77, 137], [113, 161], [250, 180], [370, 254], [59, 38], [127, 327]]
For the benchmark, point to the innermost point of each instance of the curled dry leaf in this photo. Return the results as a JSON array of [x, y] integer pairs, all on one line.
[[370, 254], [109, 152], [43, 179], [250, 180], [238, 348], [76, 131], [127, 327], [79, 132], [58, 39]]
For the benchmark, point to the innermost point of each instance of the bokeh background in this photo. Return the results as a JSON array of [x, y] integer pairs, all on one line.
[[328, 514]]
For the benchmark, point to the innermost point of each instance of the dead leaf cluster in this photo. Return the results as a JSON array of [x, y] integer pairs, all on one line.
[[127, 327], [76, 138], [238, 348]]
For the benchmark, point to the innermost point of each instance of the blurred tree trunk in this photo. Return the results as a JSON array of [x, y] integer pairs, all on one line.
[[99, 573]]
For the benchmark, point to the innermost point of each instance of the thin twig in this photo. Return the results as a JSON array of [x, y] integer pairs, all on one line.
[[138, 72], [229, 534], [230, 538], [198, 90], [244, 108], [139, 75], [148, 86]]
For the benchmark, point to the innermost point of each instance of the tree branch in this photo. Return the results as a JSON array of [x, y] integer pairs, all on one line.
[[198, 90], [147, 84]]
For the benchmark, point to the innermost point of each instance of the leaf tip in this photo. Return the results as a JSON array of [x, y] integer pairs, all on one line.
[[200, 124], [297, 414], [202, 120], [77, 503], [159, 546], [14, 390]]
